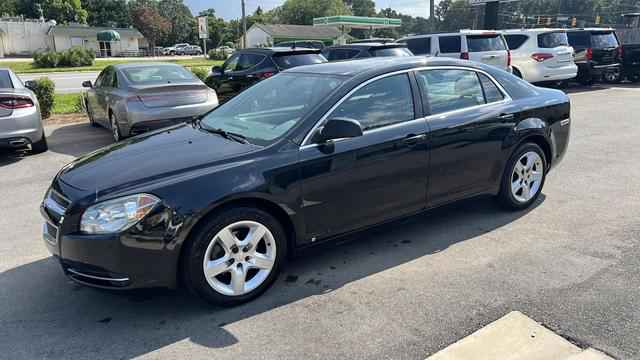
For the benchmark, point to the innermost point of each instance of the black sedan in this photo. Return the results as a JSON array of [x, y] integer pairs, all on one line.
[[365, 50], [298, 159]]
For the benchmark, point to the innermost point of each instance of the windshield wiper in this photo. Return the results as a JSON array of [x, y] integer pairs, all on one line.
[[227, 134]]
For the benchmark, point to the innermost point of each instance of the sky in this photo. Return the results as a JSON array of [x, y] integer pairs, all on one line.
[[231, 9]]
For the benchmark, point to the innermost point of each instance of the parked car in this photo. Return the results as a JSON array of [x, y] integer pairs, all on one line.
[[190, 50], [631, 62], [372, 40], [487, 47], [225, 50], [309, 44], [298, 159], [598, 54], [133, 98], [248, 66], [175, 49], [541, 55], [364, 50], [20, 120]]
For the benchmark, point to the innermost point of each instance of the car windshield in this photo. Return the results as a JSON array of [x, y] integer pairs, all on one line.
[[289, 61], [399, 51], [267, 110], [553, 39], [480, 43], [603, 40], [154, 74]]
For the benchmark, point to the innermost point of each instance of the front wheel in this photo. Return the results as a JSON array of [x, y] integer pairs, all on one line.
[[115, 128], [523, 177], [235, 256]]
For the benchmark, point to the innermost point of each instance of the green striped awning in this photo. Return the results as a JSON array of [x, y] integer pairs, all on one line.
[[108, 35]]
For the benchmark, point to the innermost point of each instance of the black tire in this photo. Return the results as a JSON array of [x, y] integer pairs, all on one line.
[[634, 77], [193, 255], [506, 196], [612, 77], [40, 146], [586, 80]]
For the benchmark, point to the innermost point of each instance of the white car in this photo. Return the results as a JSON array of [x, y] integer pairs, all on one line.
[[541, 55], [487, 47], [175, 49]]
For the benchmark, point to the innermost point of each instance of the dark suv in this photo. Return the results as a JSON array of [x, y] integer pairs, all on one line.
[[365, 50], [248, 66], [598, 54]]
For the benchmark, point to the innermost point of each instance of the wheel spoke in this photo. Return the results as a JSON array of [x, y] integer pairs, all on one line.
[[228, 239], [237, 280], [261, 261], [515, 186], [536, 176], [525, 191], [529, 163], [519, 168], [216, 267], [255, 235]]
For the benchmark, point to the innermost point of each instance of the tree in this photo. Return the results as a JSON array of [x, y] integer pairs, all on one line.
[[62, 11], [8, 7], [302, 12], [362, 7], [107, 13], [453, 15], [183, 26], [148, 21]]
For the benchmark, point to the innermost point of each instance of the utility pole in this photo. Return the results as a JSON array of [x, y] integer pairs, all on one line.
[[432, 15], [244, 27]]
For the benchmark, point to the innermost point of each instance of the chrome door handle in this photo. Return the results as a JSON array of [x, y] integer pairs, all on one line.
[[506, 117], [412, 139]]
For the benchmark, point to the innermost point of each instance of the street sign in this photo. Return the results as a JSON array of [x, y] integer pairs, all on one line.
[[202, 27], [482, 2]]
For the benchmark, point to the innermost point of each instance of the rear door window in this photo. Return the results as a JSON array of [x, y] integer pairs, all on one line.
[[289, 61], [449, 44], [5, 80], [578, 39], [552, 39], [515, 41], [481, 43], [603, 40], [248, 61], [420, 46], [449, 90], [491, 91]]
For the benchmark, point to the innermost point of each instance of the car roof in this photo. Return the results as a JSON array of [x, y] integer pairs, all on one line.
[[379, 65], [530, 31], [591, 29], [142, 64], [279, 49], [461, 32], [367, 45]]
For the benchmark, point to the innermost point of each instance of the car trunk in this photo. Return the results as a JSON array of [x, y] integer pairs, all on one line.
[[156, 96], [604, 45], [556, 44], [488, 49]]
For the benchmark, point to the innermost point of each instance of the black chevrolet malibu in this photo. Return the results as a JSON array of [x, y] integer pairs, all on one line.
[[315, 152]]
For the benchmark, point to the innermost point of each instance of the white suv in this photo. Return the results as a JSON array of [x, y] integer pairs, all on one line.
[[487, 47], [541, 55]]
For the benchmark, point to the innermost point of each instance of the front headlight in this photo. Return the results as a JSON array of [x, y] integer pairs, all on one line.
[[117, 215]]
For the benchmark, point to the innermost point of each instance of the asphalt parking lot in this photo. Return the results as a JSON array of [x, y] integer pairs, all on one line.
[[402, 291]]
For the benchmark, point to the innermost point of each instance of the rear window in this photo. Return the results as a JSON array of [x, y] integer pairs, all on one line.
[[552, 40], [421, 46], [289, 61], [449, 44], [603, 40], [340, 54], [578, 39], [515, 41], [392, 52], [481, 43], [154, 74], [5, 80]]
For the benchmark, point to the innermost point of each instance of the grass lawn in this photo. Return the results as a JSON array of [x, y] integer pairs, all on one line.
[[67, 103], [24, 67]]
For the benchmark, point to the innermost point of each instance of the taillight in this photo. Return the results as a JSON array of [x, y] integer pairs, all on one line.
[[10, 102], [464, 56], [540, 57], [589, 54], [264, 75], [508, 58]]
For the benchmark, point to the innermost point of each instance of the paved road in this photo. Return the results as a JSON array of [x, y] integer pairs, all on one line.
[[402, 291], [67, 82]]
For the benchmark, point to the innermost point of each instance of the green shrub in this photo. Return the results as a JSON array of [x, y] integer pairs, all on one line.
[[46, 59], [45, 92], [200, 72], [216, 55], [75, 56]]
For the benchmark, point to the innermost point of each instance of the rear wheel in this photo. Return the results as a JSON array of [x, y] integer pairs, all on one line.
[[40, 146], [634, 77], [115, 128], [235, 256], [523, 177], [612, 77]]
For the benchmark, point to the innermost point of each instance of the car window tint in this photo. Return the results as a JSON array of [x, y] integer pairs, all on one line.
[[107, 78], [578, 39], [491, 91], [383, 102], [552, 39], [158, 74], [247, 61], [420, 46], [392, 52], [5, 80], [515, 41], [449, 44], [289, 61], [602, 40], [232, 63], [481, 43], [449, 90], [514, 86]]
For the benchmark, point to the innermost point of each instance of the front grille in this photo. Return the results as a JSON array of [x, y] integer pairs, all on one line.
[[54, 207]]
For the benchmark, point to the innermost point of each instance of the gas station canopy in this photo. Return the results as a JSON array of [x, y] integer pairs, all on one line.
[[357, 22]]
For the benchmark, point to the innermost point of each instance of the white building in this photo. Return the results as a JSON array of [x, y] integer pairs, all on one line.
[[23, 37], [271, 34]]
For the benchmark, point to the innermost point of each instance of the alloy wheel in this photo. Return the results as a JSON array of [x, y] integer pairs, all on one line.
[[526, 177], [239, 258], [114, 129]]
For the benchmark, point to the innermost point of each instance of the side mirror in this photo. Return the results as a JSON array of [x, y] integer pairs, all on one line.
[[87, 84], [339, 128], [30, 84], [216, 71]]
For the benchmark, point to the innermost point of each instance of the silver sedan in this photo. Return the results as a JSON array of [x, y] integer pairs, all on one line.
[[20, 120], [133, 98]]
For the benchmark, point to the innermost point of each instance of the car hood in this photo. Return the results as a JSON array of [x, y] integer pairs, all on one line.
[[149, 158]]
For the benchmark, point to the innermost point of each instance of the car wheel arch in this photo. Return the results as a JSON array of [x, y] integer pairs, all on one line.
[[517, 72]]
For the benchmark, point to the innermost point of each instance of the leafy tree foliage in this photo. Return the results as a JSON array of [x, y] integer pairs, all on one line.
[[107, 12], [150, 23]]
